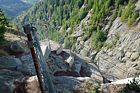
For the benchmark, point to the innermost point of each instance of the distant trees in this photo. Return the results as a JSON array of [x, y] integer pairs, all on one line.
[[129, 14], [98, 39], [3, 23], [69, 13]]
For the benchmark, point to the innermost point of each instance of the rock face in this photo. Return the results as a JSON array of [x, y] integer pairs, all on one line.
[[82, 45], [112, 88], [16, 47], [120, 56], [7, 78], [9, 62]]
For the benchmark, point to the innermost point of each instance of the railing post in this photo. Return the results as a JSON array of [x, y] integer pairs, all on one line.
[[27, 30]]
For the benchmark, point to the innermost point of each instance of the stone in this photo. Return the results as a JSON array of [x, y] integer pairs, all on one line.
[[111, 88], [80, 39], [78, 33], [32, 85], [128, 54], [27, 85], [134, 56], [138, 6], [91, 70], [16, 47], [84, 52], [57, 63], [52, 45], [93, 54], [132, 72], [70, 61], [7, 79], [28, 65], [9, 63], [65, 83]]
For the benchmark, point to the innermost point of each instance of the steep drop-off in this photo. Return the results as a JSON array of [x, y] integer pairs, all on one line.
[[86, 27]]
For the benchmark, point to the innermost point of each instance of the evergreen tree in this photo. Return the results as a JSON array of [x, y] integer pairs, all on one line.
[[3, 23]]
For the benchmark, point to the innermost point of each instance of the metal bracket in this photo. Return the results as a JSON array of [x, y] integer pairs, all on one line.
[[27, 29]]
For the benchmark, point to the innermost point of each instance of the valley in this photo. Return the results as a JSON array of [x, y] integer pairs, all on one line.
[[89, 46]]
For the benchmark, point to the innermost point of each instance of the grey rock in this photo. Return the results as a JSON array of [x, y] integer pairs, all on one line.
[[16, 47], [115, 63], [84, 52], [112, 88], [91, 70], [28, 65], [57, 63], [7, 78], [78, 33], [128, 54], [72, 85], [64, 83], [9, 62], [138, 6], [134, 56]]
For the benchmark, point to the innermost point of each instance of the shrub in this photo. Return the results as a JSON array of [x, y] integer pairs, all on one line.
[[129, 14], [133, 87], [97, 39]]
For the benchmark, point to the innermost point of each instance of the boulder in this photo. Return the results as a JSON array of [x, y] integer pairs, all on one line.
[[111, 88], [134, 56], [78, 33], [70, 61], [28, 65], [56, 63], [92, 71], [84, 52], [67, 84], [9, 63], [138, 6], [32, 85], [7, 78], [17, 47], [120, 61]]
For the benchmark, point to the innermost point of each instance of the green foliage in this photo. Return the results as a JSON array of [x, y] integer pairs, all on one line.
[[128, 14], [53, 35], [133, 87], [114, 15], [51, 15], [113, 43], [97, 39], [66, 42], [93, 90], [3, 23]]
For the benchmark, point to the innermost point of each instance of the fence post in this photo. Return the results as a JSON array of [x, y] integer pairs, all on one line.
[[27, 30]]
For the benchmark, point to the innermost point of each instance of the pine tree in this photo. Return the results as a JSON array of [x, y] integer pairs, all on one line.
[[3, 23]]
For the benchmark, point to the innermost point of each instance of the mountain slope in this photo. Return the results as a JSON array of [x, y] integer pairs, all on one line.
[[14, 7], [53, 16], [30, 1]]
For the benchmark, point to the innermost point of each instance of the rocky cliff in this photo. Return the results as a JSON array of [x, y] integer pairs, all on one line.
[[120, 56]]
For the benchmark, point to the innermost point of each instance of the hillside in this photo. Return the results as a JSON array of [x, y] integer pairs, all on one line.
[[94, 47], [30, 1], [61, 20], [15, 7], [82, 26]]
